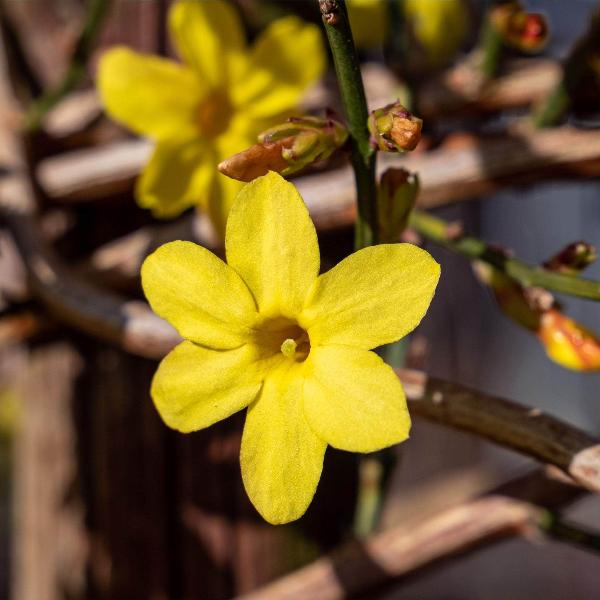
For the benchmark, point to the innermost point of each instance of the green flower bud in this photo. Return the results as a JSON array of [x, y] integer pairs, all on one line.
[[396, 197]]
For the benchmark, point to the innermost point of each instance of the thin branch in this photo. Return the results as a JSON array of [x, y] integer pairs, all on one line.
[[511, 425], [357, 568], [439, 231], [96, 12]]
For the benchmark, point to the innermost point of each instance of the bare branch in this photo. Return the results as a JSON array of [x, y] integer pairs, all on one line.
[[450, 174], [357, 568], [507, 423]]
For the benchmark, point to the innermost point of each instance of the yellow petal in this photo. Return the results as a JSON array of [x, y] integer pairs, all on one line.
[[375, 296], [209, 37], [221, 199], [281, 457], [225, 189], [201, 296], [271, 242], [180, 174], [353, 400], [150, 95], [195, 387], [286, 58]]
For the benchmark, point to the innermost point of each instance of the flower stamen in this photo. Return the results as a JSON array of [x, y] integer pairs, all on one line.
[[288, 348]]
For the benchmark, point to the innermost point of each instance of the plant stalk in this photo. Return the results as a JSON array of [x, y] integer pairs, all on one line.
[[347, 68]]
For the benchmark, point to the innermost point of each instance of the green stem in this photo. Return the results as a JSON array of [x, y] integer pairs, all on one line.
[[437, 230], [490, 49], [374, 469], [96, 11], [554, 526], [575, 69], [347, 68]]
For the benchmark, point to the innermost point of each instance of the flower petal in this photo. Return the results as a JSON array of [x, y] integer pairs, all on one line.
[[224, 192], [375, 296], [201, 296], [209, 38], [272, 243], [353, 400], [150, 95], [195, 387], [287, 57], [180, 174], [281, 457]]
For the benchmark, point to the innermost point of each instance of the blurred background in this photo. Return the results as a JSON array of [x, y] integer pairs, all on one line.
[[98, 499]]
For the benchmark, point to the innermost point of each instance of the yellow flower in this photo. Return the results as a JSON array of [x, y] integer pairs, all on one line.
[[211, 106], [265, 331], [369, 22], [439, 26]]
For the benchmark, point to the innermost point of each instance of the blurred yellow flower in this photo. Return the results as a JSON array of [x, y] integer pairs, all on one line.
[[369, 22], [211, 106], [265, 331], [568, 343], [439, 26]]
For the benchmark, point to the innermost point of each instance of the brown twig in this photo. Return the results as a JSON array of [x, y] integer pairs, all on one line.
[[357, 568], [449, 174], [507, 423]]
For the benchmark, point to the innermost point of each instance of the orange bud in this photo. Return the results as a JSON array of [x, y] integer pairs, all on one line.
[[524, 31], [394, 129], [257, 160], [568, 343]]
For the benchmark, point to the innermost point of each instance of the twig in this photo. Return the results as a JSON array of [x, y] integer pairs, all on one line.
[[511, 425], [358, 568], [437, 230], [347, 68], [96, 11]]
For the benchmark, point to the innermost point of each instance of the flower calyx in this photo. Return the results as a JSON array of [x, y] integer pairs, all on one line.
[[394, 128], [287, 148]]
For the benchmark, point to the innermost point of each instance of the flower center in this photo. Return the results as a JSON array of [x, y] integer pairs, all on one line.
[[285, 336], [214, 114]]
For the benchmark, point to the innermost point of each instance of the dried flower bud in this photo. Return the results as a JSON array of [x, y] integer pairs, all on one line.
[[287, 148], [524, 31], [572, 259], [396, 198], [568, 343], [394, 129]]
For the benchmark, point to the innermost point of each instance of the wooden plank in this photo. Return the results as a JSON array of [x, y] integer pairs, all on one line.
[[456, 171]]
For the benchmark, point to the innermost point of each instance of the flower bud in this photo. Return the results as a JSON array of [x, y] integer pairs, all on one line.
[[572, 259], [396, 197], [394, 129], [568, 343], [524, 31], [509, 295], [287, 148]]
